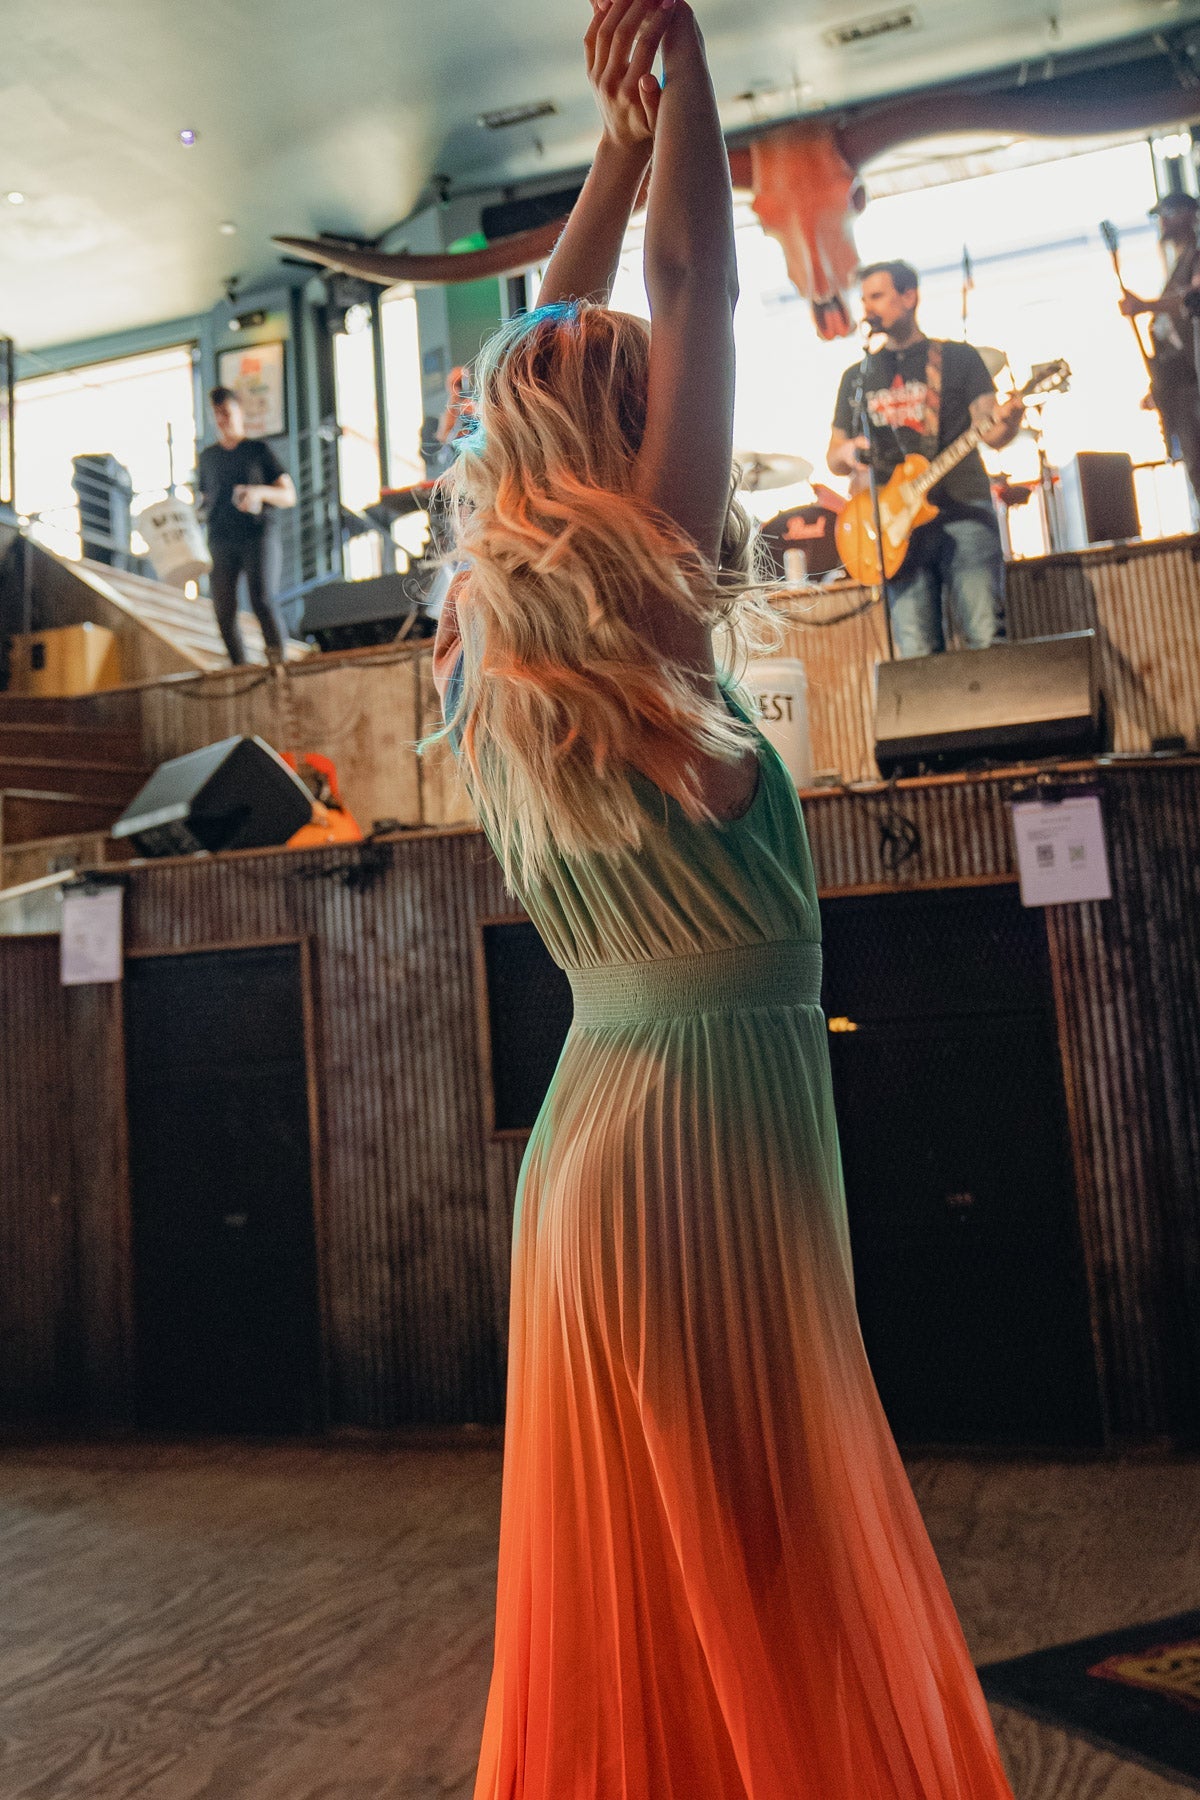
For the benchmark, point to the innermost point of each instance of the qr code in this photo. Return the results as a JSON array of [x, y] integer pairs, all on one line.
[[1077, 853], [1045, 856]]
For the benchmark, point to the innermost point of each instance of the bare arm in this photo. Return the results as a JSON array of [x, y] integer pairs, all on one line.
[[620, 46], [842, 456], [251, 497], [1134, 307], [584, 264], [281, 492], [684, 464], [998, 422]]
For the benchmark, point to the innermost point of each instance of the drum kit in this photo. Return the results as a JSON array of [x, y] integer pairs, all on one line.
[[800, 539]]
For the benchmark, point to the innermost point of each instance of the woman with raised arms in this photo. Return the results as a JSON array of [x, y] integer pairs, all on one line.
[[714, 1581]]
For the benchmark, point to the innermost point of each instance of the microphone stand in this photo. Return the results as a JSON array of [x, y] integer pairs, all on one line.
[[862, 416]]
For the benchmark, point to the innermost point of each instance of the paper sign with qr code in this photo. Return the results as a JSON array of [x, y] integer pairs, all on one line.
[[1062, 855]]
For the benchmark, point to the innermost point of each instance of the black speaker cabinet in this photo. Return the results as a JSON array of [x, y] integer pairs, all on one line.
[[960, 1187], [528, 1017], [235, 795], [351, 615], [1038, 697], [506, 217], [1097, 503]]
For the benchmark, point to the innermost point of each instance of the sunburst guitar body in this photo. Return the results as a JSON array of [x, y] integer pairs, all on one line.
[[902, 507]]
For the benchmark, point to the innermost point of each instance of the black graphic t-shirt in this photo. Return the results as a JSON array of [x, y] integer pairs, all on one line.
[[251, 463], [896, 393]]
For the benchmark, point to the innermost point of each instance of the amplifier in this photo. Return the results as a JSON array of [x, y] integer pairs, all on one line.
[[1097, 501], [350, 615], [1034, 697], [69, 659]]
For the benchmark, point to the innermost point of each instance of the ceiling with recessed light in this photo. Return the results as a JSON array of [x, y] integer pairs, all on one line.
[[313, 117]]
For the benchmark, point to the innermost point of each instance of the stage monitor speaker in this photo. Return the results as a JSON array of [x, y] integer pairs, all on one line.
[[352, 615], [235, 795], [1036, 697], [1097, 502]]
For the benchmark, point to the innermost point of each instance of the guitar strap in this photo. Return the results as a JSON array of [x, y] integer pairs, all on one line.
[[931, 425]]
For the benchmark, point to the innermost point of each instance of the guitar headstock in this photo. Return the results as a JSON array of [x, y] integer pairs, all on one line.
[[1108, 232], [1047, 377]]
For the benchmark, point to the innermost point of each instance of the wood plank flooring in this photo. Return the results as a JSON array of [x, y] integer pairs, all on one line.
[[313, 1622]]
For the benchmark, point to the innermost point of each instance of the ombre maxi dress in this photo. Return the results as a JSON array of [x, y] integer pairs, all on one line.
[[714, 1581]]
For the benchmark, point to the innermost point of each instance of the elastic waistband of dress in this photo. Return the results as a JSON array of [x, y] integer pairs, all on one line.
[[746, 976]]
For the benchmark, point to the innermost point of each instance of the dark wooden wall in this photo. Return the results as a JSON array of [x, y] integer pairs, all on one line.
[[1127, 994], [417, 1199]]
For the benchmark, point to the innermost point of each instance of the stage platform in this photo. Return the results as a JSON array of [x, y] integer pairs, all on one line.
[[368, 709]]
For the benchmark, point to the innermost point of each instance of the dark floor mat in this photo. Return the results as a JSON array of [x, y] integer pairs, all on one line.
[[1135, 1691]]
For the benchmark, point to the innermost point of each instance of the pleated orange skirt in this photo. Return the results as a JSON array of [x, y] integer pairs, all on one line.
[[714, 1580]]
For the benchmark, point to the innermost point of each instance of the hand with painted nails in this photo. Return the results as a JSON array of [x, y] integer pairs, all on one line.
[[621, 44]]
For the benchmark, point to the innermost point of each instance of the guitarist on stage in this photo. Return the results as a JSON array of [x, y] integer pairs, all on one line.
[[916, 395], [1174, 387]]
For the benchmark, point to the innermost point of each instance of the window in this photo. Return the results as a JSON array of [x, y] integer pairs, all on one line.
[[140, 409], [1043, 288]]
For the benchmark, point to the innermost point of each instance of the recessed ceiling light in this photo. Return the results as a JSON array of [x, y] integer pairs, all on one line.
[[187, 137], [14, 198], [227, 227]]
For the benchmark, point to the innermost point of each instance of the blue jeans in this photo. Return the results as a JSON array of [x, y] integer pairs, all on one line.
[[953, 576]]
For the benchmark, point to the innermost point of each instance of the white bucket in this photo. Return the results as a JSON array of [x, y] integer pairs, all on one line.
[[779, 684], [175, 541]]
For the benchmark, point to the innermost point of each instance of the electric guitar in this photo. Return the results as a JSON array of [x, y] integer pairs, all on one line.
[[902, 500], [1112, 243]]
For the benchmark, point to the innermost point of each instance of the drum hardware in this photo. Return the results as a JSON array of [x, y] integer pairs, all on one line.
[[769, 469]]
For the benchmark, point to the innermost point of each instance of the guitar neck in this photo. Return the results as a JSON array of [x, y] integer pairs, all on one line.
[[962, 446], [947, 459]]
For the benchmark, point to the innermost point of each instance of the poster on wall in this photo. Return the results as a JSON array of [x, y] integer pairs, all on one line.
[[91, 943], [256, 377], [1062, 853]]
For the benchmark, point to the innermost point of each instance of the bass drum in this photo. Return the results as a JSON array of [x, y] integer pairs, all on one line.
[[807, 528]]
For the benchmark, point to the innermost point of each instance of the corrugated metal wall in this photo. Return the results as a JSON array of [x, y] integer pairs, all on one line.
[[36, 1227], [1142, 601], [416, 1199]]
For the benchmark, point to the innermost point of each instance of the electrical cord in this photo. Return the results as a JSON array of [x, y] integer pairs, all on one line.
[[795, 612]]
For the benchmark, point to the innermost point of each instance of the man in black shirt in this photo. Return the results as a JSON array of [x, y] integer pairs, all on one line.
[[1173, 375], [915, 396], [242, 486]]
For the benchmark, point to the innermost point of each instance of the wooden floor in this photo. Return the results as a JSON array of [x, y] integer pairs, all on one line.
[[313, 1622]]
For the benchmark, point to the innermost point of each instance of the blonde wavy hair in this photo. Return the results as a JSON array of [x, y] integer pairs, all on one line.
[[561, 688]]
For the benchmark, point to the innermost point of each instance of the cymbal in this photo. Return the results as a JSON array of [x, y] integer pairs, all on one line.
[[993, 360], [770, 469]]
